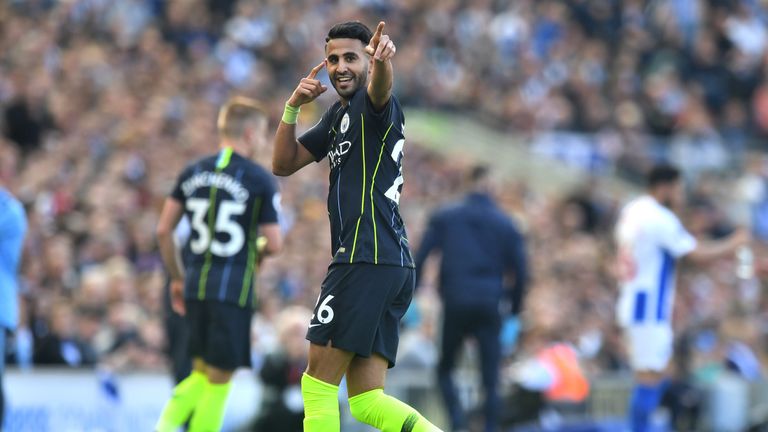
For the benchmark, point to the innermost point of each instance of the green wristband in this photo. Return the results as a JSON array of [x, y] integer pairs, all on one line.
[[290, 114]]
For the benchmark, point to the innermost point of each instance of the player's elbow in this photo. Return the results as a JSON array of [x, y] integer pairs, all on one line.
[[379, 101], [162, 232], [281, 172], [282, 169], [698, 257]]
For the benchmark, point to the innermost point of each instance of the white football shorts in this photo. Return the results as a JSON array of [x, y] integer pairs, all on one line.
[[649, 346]]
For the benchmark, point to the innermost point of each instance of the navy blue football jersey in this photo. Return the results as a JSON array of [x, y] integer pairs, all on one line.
[[225, 197], [365, 151]]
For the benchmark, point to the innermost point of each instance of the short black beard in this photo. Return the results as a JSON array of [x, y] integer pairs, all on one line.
[[354, 90], [362, 78]]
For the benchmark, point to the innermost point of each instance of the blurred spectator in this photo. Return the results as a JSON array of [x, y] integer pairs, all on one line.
[[282, 407], [61, 345], [418, 348], [27, 119], [552, 368]]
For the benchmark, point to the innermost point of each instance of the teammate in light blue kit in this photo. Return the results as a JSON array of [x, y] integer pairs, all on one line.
[[13, 226]]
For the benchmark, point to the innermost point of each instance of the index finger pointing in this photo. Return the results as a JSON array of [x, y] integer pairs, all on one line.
[[315, 70], [379, 29]]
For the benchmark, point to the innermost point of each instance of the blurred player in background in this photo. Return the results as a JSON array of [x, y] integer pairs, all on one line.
[[483, 266], [650, 240], [369, 285], [13, 226], [232, 205]]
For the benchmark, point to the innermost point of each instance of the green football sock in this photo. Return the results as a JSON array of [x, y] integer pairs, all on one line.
[[321, 405], [185, 396], [387, 413], [209, 412]]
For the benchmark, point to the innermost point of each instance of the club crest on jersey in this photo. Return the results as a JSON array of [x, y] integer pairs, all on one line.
[[344, 123]]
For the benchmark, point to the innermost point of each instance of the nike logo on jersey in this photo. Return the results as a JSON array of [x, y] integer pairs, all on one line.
[[315, 325]]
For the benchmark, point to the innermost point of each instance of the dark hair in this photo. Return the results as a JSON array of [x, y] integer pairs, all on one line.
[[350, 30], [662, 174], [479, 173]]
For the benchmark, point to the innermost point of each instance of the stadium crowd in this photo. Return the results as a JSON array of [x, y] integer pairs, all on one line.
[[104, 102]]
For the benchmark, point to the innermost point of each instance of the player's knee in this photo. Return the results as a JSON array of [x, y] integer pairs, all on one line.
[[218, 376], [359, 412], [361, 406], [649, 377], [198, 364]]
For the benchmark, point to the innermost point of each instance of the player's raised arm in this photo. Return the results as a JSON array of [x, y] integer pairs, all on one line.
[[706, 252], [289, 155], [382, 49]]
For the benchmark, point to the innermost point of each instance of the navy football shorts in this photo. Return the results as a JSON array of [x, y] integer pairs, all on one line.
[[219, 333], [360, 307]]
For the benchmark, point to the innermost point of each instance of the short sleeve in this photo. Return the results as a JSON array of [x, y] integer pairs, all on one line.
[[316, 139], [385, 113], [270, 203], [674, 237], [391, 114], [178, 193]]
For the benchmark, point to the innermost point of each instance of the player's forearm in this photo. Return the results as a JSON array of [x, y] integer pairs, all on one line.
[[286, 150], [381, 83], [707, 252], [271, 240], [169, 256], [521, 276], [516, 295]]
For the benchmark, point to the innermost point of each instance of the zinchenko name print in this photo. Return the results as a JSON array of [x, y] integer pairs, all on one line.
[[218, 180]]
